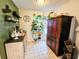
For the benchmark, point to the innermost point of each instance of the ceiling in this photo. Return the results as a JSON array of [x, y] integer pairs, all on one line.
[[32, 4]]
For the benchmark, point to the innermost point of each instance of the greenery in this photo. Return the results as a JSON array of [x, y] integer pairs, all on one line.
[[37, 24]]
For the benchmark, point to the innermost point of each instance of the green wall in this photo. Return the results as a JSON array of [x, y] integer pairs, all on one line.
[[5, 27], [8, 2]]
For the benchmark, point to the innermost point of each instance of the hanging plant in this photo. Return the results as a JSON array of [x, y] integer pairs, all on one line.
[[37, 24], [37, 27]]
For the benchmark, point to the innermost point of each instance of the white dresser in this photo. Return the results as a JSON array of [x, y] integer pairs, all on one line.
[[15, 48]]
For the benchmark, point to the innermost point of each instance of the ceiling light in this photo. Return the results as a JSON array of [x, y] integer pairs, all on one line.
[[40, 2]]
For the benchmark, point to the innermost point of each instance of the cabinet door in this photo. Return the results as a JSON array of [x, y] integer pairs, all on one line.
[[53, 34], [49, 32], [59, 20], [54, 38], [13, 52]]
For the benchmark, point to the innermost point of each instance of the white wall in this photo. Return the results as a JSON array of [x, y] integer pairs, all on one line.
[[27, 25], [71, 7]]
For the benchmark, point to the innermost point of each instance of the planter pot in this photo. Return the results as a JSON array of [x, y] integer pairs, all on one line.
[[69, 48], [68, 56]]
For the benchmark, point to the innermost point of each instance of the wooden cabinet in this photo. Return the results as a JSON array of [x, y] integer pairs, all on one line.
[[58, 31]]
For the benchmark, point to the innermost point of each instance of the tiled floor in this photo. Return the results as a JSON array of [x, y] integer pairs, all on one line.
[[39, 50]]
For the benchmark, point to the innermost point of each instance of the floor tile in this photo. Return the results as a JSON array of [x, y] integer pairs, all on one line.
[[39, 50]]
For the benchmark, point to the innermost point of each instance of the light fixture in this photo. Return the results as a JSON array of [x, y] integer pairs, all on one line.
[[40, 2]]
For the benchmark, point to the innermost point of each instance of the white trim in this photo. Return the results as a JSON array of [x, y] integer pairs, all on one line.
[[72, 29]]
